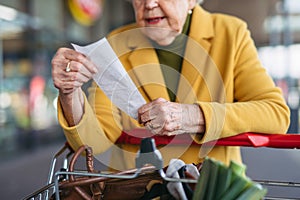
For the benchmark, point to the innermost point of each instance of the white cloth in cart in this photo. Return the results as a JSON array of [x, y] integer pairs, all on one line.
[[176, 188]]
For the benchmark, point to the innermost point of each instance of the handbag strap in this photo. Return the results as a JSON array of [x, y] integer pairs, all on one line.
[[89, 159], [97, 188]]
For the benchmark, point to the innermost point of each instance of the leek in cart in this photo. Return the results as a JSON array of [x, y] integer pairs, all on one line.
[[218, 181]]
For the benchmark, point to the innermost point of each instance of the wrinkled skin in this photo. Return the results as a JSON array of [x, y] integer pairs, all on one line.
[[162, 117], [69, 83], [162, 20]]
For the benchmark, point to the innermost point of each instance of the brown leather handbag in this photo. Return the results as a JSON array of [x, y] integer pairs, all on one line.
[[103, 188]]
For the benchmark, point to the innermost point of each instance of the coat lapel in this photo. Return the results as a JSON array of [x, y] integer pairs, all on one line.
[[147, 71], [196, 56]]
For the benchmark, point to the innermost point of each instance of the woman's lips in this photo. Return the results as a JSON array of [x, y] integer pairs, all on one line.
[[154, 20]]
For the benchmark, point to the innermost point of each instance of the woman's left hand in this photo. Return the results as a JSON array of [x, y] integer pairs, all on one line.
[[163, 117]]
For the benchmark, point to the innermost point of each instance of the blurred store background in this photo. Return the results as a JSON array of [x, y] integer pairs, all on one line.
[[32, 30]]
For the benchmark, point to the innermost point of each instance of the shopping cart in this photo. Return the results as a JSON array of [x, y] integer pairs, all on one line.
[[256, 140]]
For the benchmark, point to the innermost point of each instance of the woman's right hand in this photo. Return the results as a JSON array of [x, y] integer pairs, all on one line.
[[81, 70], [69, 81]]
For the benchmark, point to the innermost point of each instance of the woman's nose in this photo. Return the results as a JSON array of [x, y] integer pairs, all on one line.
[[150, 4]]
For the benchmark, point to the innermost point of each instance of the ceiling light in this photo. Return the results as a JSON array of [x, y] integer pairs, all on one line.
[[7, 13]]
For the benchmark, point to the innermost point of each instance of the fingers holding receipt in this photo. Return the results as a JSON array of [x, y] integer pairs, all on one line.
[[112, 78]]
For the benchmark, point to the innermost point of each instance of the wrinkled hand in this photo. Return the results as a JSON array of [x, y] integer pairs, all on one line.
[[81, 70], [162, 117], [70, 70]]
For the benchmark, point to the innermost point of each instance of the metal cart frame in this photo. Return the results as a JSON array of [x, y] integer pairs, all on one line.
[[285, 141]]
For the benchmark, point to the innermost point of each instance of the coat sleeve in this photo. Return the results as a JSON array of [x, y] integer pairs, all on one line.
[[257, 106], [97, 130]]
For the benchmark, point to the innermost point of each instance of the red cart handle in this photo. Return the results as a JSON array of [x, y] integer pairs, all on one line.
[[289, 141], [244, 139]]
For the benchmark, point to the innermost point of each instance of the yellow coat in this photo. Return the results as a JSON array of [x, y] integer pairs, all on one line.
[[229, 84]]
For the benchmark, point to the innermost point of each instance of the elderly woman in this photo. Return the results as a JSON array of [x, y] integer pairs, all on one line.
[[199, 74]]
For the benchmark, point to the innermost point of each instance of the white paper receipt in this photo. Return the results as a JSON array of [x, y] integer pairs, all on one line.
[[112, 78]]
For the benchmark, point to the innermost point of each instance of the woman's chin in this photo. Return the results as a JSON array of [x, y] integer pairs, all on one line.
[[162, 37]]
